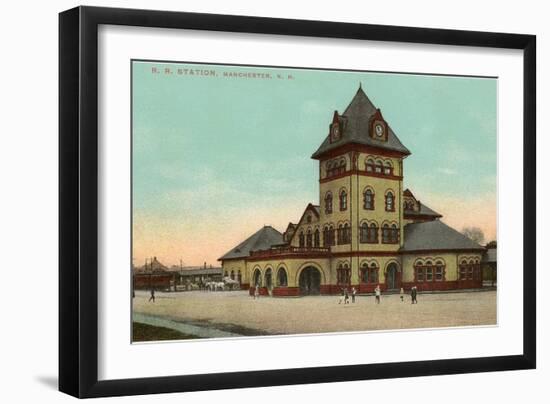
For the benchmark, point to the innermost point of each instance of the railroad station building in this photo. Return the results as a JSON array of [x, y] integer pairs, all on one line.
[[366, 230]]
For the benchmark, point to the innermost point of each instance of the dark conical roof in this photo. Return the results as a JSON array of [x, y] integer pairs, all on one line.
[[263, 239], [355, 122]]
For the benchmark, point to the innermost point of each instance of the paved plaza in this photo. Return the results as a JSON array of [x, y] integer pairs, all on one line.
[[236, 313]]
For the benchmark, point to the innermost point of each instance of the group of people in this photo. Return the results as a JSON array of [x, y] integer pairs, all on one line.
[[344, 295]]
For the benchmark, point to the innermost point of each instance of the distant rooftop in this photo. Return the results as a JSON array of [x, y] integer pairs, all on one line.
[[263, 239], [436, 235]]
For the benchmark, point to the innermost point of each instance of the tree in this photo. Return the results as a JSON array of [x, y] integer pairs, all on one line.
[[474, 233]]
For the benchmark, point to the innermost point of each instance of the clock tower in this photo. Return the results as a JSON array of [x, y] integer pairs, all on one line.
[[360, 184]]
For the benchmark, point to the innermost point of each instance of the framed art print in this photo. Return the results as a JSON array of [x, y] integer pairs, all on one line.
[[249, 201]]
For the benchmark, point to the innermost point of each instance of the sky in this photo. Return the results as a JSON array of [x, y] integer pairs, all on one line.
[[219, 153]]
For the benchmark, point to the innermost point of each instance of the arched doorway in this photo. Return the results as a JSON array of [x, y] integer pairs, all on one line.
[[282, 279], [310, 281], [257, 278], [268, 279], [392, 277]]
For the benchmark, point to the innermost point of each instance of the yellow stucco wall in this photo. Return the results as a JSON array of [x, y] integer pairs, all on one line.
[[355, 214], [451, 261], [236, 265]]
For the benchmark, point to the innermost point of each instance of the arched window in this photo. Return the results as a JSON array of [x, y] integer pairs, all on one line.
[[329, 169], [369, 274], [302, 239], [343, 200], [394, 234], [342, 167], [328, 203], [368, 200], [281, 277], [390, 205], [239, 276], [429, 271], [232, 275], [268, 278], [343, 275], [369, 165], [373, 277], [419, 271], [439, 271], [328, 236], [346, 236], [378, 168], [388, 169], [471, 270], [463, 268], [364, 233], [339, 234], [316, 240], [385, 234], [373, 233], [309, 239], [369, 234]]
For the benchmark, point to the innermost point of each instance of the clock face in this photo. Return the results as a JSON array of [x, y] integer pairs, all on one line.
[[379, 130], [335, 132]]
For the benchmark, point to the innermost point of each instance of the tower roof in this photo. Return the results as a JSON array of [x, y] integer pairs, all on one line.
[[355, 123]]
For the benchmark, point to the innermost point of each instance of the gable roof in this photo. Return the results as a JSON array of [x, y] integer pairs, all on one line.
[[424, 211], [153, 266], [316, 209], [355, 122], [436, 235], [263, 239]]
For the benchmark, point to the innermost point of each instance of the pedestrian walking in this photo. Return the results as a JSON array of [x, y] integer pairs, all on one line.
[[377, 294], [341, 299], [401, 293], [346, 296], [413, 295], [256, 292], [152, 295], [353, 292]]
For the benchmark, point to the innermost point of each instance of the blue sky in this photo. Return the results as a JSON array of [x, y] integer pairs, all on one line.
[[212, 151]]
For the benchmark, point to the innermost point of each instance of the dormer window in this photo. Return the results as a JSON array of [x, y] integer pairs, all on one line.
[[335, 132], [378, 127]]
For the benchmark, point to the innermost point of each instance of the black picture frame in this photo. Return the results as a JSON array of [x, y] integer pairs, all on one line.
[[78, 200]]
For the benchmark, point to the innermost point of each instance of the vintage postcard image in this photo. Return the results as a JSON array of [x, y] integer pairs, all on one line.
[[284, 201]]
